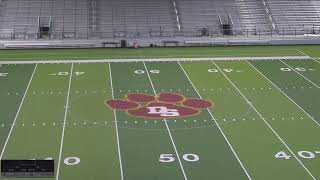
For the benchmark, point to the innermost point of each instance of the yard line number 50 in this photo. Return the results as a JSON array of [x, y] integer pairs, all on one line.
[[168, 158]]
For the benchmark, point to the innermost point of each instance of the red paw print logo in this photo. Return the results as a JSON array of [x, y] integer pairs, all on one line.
[[164, 105]]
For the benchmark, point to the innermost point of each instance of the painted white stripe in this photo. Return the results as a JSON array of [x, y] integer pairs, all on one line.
[[266, 122], [17, 114], [220, 129], [300, 74], [167, 126], [308, 55], [64, 122], [116, 123], [153, 60], [284, 93]]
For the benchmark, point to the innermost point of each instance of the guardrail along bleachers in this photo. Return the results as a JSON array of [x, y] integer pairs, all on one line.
[[136, 18], [246, 15], [295, 16]]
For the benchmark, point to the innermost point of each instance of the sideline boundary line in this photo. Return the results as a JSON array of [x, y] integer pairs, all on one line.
[[283, 93], [167, 126], [315, 59], [64, 121], [153, 60], [270, 127], [116, 123], [18, 112], [301, 74], [225, 137]]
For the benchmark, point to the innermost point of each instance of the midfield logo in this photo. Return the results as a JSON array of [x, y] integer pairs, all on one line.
[[164, 105]]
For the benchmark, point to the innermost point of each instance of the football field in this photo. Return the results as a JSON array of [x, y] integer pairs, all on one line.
[[171, 119]]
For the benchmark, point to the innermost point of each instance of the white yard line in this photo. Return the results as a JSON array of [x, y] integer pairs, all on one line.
[[225, 137], [152, 60], [274, 132], [17, 114], [300, 74], [284, 93], [308, 55], [116, 123], [64, 122], [167, 126]]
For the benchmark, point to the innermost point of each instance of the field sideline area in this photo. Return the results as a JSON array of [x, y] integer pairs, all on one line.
[[254, 116]]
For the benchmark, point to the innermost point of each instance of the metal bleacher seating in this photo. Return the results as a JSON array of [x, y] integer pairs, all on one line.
[[83, 19], [23, 17], [138, 18], [295, 16], [246, 16]]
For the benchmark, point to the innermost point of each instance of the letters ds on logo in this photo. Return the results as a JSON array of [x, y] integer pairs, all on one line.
[[164, 105]]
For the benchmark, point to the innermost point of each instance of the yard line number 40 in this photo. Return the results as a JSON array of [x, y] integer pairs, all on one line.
[[302, 154], [69, 161], [3, 74], [67, 73]]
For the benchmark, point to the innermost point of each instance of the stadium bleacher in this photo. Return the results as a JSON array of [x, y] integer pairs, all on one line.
[[99, 19]]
